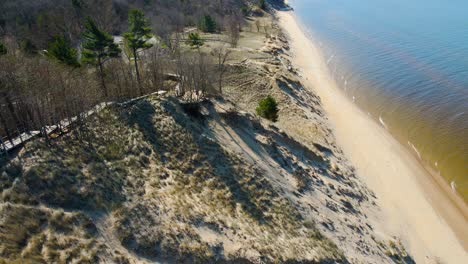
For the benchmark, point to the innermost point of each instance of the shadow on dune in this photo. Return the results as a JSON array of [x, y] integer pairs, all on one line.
[[223, 165], [142, 116]]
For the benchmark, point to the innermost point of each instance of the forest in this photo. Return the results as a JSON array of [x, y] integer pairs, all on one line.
[[61, 58]]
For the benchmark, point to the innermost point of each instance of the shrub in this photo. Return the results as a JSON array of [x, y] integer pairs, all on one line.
[[195, 40], [61, 50], [208, 24], [262, 4], [268, 108], [14, 169], [3, 49], [28, 47], [245, 10]]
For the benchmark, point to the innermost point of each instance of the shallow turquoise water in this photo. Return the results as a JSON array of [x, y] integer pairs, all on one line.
[[406, 63]]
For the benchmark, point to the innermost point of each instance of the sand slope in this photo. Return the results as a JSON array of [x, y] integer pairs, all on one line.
[[391, 171]]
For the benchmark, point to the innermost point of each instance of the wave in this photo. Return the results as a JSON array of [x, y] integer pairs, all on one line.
[[382, 122], [453, 184], [415, 149], [330, 59]]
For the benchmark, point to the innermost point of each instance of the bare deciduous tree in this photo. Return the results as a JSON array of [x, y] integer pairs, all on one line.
[[233, 28], [157, 62], [258, 25], [38, 94], [221, 55]]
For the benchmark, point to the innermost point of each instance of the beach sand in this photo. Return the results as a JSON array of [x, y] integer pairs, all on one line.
[[413, 206]]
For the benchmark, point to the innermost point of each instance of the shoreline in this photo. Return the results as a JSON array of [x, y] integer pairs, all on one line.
[[414, 205]]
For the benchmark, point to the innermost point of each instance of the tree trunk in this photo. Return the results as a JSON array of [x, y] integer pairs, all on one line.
[[101, 75], [135, 58], [11, 109], [31, 118], [220, 83], [5, 127], [43, 123], [4, 146]]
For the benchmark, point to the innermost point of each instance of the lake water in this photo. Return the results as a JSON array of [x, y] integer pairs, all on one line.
[[406, 64]]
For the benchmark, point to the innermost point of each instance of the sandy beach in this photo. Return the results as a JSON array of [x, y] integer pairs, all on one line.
[[412, 204]]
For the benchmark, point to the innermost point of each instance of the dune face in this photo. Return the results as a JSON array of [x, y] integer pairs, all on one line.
[[159, 180], [163, 179], [412, 205]]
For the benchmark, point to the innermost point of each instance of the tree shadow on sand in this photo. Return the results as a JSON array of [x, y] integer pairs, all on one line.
[[285, 151], [143, 117], [224, 166]]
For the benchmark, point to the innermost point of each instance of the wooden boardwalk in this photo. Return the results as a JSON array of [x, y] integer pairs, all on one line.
[[7, 145]]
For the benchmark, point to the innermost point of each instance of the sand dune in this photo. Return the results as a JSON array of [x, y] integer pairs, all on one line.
[[412, 205]]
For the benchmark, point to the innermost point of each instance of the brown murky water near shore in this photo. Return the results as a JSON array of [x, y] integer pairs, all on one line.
[[405, 66]]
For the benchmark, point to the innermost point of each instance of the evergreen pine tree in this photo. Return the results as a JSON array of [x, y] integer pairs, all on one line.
[[268, 108], [98, 47], [137, 37], [208, 24], [61, 50], [3, 49], [28, 47], [194, 40]]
